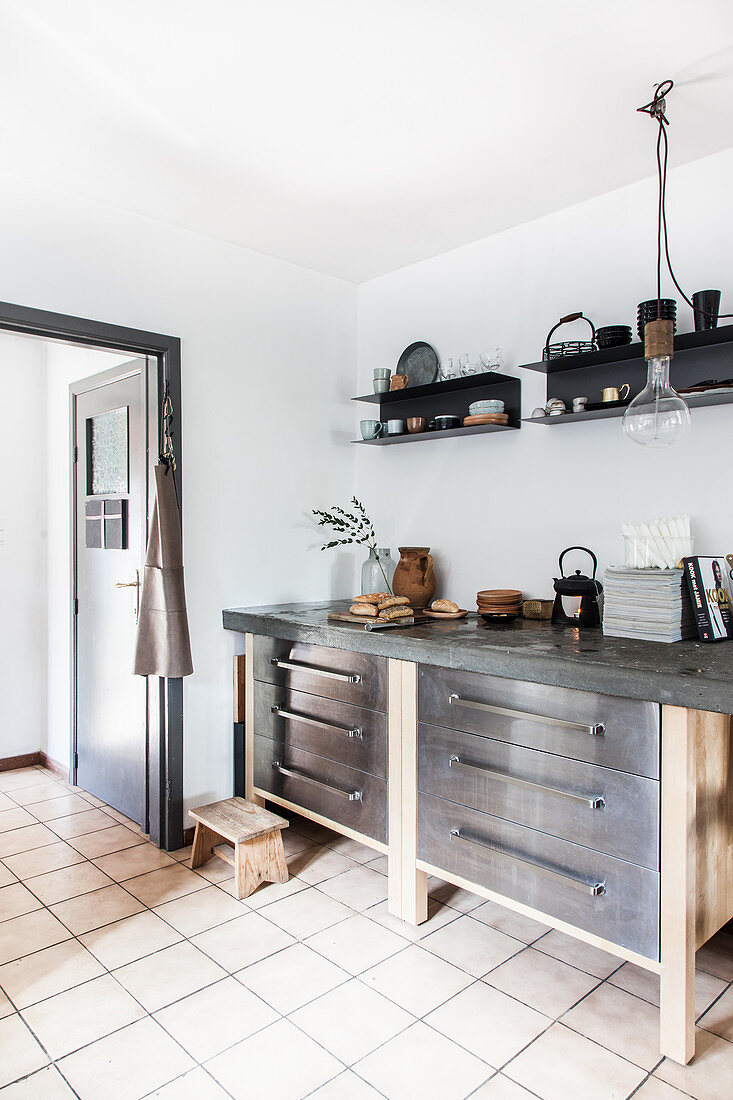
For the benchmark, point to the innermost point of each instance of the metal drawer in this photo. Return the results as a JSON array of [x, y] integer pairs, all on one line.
[[616, 733], [347, 734], [611, 811], [343, 795], [615, 900], [319, 670]]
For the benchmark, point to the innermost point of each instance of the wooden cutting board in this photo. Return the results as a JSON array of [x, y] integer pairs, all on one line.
[[344, 617]]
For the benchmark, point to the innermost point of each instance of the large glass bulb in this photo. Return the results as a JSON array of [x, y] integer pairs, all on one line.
[[657, 417]]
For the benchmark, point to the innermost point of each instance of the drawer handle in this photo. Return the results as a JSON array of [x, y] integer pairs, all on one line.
[[290, 716], [352, 796], [595, 889], [344, 677], [596, 730], [592, 801]]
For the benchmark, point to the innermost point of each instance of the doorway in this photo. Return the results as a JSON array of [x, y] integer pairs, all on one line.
[[158, 800]]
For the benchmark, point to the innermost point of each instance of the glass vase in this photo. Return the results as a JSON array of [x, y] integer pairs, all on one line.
[[377, 571]]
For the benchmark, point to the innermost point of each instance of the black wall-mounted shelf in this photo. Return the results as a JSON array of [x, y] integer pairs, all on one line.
[[683, 342], [450, 398]]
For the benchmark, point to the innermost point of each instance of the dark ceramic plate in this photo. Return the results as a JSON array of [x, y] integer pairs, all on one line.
[[498, 618], [420, 363]]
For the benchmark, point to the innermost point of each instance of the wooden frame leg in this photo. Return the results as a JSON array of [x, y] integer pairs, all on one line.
[[260, 860], [204, 842], [408, 887], [678, 885], [249, 722]]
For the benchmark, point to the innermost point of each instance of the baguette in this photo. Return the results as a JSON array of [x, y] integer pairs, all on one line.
[[364, 610], [393, 601], [445, 606], [371, 597], [398, 612]]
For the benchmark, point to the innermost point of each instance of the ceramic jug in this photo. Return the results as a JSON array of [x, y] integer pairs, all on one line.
[[414, 576]]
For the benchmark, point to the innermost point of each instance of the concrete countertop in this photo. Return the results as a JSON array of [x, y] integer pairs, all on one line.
[[686, 674]]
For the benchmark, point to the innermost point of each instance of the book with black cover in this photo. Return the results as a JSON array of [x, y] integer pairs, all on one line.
[[709, 582]]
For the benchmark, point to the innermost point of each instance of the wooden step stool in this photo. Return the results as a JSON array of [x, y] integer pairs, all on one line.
[[256, 853]]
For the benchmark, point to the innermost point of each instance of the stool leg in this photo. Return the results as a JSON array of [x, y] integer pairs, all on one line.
[[260, 860], [204, 842]]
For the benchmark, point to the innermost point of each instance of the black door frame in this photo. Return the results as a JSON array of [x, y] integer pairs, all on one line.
[[165, 696]]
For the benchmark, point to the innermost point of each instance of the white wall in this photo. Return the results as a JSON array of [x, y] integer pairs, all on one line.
[[22, 546], [498, 509], [268, 364]]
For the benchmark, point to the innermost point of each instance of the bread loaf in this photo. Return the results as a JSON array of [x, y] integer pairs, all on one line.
[[398, 612], [371, 597], [393, 601], [365, 610], [445, 606]]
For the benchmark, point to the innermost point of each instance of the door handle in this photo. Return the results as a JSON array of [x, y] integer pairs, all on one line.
[[136, 585]]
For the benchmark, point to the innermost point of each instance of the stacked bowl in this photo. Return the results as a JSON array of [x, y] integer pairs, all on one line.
[[499, 604], [613, 336], [647, 311], [486, 412]]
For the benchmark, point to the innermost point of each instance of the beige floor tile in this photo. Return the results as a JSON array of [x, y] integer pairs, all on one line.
[[272, 978], [214, 870], [381, 864], [7, 803], [240, 942], [357, 943], [352, 849], [644, 984], [157, 887], [32, 932], [17, 818], [21, 1054], [317, 834], [63, 806], [134, 861], [416, 980], [295, 842], [23, 840], [95, 909], [500, 1087], [160, 979], [215, 1018], [465, 1020], [578, 954], [359, 888], [91, 798], [204, 909], [719, 1018], [130, 939], [195, 1085], [306, 913], [18, 778], [112, 839], [562, 1065], [621, 1023], [88, 821], [6, 1008], [48, 972], [15, 900], [314, 865], [447, 894], [654, 1089], [716, 957], [472, 946], [123, 820], [267, 892], [45, 1084], [126, 1065], [542, 982], [77, 1017], [420, 1062], [347, 1086], [710, 1074], [40, 792], [7, 878], [182, 855], [506, 920], [438, 916], [69, 882], [352, 1020], [39, 861], [279, 1062]]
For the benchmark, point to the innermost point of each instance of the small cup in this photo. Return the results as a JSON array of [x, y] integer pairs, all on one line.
[[382, 372], [579, 404], [381, 385], [416, 424], [612, 393], [442, 423], [395, 427], [370, 429], [398, 381]]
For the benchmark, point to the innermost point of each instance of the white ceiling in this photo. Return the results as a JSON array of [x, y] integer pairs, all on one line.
[[355, 138]]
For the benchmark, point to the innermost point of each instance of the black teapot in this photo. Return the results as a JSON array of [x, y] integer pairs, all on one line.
[[586, 589]]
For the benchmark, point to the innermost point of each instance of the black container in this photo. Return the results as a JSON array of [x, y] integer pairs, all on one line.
[[707, 305], [647, 311], [613, 336]]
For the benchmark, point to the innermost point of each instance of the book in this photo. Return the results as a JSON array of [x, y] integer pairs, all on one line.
[[650, 604], [709, 583]]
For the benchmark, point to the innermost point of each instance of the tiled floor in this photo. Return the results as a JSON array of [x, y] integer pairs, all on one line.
[[124, 974]]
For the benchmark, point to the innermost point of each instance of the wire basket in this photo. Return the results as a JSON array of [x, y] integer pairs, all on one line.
[[569, 347]]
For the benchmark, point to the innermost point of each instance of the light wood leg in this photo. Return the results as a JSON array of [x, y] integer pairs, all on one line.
[[249, 722], [408, 887], [204, 842], [260, 860], [678, 885]]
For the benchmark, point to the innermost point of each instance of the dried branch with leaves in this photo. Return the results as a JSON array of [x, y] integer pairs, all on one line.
[[352, 528]]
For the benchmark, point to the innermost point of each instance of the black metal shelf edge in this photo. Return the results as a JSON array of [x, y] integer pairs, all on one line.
[[606, 414], [471, 381], [448, 433], [684, 341]]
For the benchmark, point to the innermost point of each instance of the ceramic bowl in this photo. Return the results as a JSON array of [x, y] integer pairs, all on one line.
[[478, 407]]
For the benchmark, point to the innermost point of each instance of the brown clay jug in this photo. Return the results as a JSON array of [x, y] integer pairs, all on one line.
[[414, 576]]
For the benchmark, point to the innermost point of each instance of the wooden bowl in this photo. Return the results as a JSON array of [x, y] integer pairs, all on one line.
[[485, 418], [460, 614], [509, 593]]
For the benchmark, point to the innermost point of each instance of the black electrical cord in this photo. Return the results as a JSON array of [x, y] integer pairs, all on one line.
[[656, 109]]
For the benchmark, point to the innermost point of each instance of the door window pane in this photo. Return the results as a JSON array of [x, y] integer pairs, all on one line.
[[107, 453]]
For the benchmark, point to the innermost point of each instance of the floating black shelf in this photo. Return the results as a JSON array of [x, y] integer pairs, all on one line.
[[683, 342], [607, 414], [454, 385], [447, 433]]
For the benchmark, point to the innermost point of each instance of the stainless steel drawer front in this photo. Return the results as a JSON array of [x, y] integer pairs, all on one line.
[[350, 735], [582, 725], [608, 897], [601, 808], [329, 673], [338, 793]]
